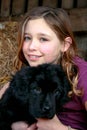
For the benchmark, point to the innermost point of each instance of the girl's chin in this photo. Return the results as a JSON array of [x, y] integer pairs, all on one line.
[[35, 64]]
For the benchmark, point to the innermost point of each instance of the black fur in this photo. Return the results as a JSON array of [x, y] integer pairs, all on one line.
[[34, 92]]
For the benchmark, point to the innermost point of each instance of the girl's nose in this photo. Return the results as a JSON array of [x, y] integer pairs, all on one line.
[[34, 45]]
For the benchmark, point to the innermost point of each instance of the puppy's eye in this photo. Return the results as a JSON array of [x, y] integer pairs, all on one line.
[[57, 93], [37, 90]]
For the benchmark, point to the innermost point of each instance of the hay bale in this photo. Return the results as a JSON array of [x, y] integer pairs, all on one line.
[[8, 48]]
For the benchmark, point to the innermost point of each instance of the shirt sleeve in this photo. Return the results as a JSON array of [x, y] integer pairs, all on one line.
[[82, 83]]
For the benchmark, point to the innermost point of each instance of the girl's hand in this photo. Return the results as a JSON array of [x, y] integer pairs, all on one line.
[[42, 124], [19, 126], [50, 124], [23, 126]]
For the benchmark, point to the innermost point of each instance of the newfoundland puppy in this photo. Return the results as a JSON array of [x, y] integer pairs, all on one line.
[[34, 92]]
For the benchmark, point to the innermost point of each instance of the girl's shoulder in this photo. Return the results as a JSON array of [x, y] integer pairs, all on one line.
[[81, 64], [82, 76], [3, 89], [82, 69]]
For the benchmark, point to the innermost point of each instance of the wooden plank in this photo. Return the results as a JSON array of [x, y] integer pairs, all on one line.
[[18, 7], [32, 4], [81, 40], [51, 3], [67, 4], [5, 8], [81, 3], [78, 19]]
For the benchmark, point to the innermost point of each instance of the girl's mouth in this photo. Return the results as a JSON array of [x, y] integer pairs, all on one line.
[[34, 57]]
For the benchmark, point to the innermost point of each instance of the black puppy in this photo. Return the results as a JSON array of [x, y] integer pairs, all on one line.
[[34, 92]]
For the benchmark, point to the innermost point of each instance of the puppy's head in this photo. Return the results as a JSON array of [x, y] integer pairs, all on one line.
[[43, 88], [48, 86]]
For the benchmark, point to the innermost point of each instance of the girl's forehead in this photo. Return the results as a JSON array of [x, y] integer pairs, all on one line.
[[38, 25], [37, 21]]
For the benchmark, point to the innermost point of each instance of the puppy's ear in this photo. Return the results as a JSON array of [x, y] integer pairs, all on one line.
[[60, 72], [64, 87], [62, 76]]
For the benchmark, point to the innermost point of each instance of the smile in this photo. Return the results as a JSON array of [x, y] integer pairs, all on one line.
[[34, 57]]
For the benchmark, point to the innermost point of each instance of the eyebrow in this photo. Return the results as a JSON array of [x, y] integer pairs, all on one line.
[[41, 34]]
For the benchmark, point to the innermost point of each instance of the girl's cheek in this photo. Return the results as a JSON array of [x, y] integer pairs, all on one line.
[[24, 46], [46, 49]]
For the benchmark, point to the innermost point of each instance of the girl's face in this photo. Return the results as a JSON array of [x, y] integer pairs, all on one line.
[[41, 45]]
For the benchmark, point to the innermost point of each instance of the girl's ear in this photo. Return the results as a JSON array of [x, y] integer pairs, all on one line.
[[67, 43]]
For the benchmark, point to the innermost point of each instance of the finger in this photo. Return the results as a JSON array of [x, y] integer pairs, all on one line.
[[32, 127], [19, 126]]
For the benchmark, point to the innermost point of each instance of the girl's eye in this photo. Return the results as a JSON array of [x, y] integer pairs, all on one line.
[[43, 39], [27, 38]]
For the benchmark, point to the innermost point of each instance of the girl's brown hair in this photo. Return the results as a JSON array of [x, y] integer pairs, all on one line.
[[58, 20]]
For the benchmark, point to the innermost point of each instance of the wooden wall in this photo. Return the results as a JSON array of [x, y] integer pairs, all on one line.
[[18, 7], [77, 9]]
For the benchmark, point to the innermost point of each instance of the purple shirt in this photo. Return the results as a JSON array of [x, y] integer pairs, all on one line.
[[74, 113]]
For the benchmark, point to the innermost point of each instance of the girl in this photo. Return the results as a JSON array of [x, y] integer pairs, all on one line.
[[45, 36]]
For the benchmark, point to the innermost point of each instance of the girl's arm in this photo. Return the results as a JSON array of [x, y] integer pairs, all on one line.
[[3, 89], [52, 124]]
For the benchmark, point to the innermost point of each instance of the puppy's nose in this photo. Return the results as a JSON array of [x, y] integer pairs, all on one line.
[[47, 103], [46, 108]]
